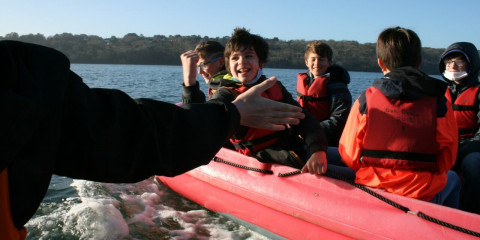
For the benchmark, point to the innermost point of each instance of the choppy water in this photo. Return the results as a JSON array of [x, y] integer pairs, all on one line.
[[78, 209]]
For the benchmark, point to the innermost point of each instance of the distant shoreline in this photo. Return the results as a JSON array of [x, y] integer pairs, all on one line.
[[162, 50]]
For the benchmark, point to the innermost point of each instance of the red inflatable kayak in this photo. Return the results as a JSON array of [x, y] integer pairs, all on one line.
[[304, 206]]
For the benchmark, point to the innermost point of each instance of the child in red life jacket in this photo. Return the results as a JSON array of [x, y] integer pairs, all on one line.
[[245, 55], [401, 135], [459, 66], [323, 90]]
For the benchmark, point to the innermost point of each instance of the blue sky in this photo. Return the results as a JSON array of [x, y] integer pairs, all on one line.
[[438, 22]]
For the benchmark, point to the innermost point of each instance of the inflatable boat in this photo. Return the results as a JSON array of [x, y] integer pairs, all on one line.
[[288, 205]]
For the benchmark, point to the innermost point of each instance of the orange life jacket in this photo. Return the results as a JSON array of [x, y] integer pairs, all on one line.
[[465, 109], [390, 118], [257, 139], [7, 229], [313, 98]]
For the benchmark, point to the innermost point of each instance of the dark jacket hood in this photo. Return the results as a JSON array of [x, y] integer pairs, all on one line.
[[338, 74], [471, 54], [409, 83]]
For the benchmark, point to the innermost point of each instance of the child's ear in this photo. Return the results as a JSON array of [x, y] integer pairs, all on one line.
[[262, 64], [381, 65]]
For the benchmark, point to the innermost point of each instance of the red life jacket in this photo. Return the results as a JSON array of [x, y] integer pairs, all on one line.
[[7, 228], [400, 134], [465, 109], [257, 139], [313, 98]]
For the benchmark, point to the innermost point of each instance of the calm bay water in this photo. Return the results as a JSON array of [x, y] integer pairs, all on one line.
[[78, 209]]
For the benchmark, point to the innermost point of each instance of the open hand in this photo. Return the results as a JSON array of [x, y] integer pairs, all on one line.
[[259, 112]]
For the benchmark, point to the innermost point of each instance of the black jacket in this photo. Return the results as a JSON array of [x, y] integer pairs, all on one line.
[[52, 123], [193, 94], [340, 101]]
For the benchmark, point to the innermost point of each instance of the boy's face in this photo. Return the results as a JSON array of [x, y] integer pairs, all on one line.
[[209, 67], [317, 64], [244, 64], [455, 63]]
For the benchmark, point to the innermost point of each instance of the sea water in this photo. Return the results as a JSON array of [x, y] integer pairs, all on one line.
[[79, 209]]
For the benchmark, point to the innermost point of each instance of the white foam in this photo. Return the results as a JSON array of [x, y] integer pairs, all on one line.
[[144, 210]]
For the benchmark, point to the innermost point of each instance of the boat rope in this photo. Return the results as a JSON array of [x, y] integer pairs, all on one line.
[[217, 159], [335, 175], [289, 173]]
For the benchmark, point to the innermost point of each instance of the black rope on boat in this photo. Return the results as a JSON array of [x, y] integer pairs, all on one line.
[[335, 175], [289, 173], [445, 224], [216, 159]]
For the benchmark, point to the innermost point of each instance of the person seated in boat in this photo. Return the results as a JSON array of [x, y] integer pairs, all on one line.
[[401, 134], [246, 54], [208, 59], [460, 65], [53, 123], [323, 90]]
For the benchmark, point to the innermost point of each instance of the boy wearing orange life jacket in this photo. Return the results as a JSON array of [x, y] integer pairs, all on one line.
[[401, 135], [459, 66], [245, 55], [323, 90]]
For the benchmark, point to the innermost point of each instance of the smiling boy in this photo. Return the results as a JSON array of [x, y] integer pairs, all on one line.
[[323, 90], [246, 55]]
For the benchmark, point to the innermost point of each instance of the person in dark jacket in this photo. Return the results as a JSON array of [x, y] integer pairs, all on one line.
[[52, 123], [460, 65], [208, 59], [323, 90]]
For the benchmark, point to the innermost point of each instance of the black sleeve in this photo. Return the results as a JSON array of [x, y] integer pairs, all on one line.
[[53, 123], [111, 137], [193, 94], [340, 105]]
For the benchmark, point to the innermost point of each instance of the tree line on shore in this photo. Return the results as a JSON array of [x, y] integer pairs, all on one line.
[[166, 50]]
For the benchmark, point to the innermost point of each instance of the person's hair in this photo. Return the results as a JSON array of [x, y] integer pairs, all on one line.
[[242, 39], [209, 49], [455, 55], [320, 48], [399, 47]]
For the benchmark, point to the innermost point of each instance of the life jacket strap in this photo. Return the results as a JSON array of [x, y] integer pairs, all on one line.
[[310, 98], [420, 157]]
